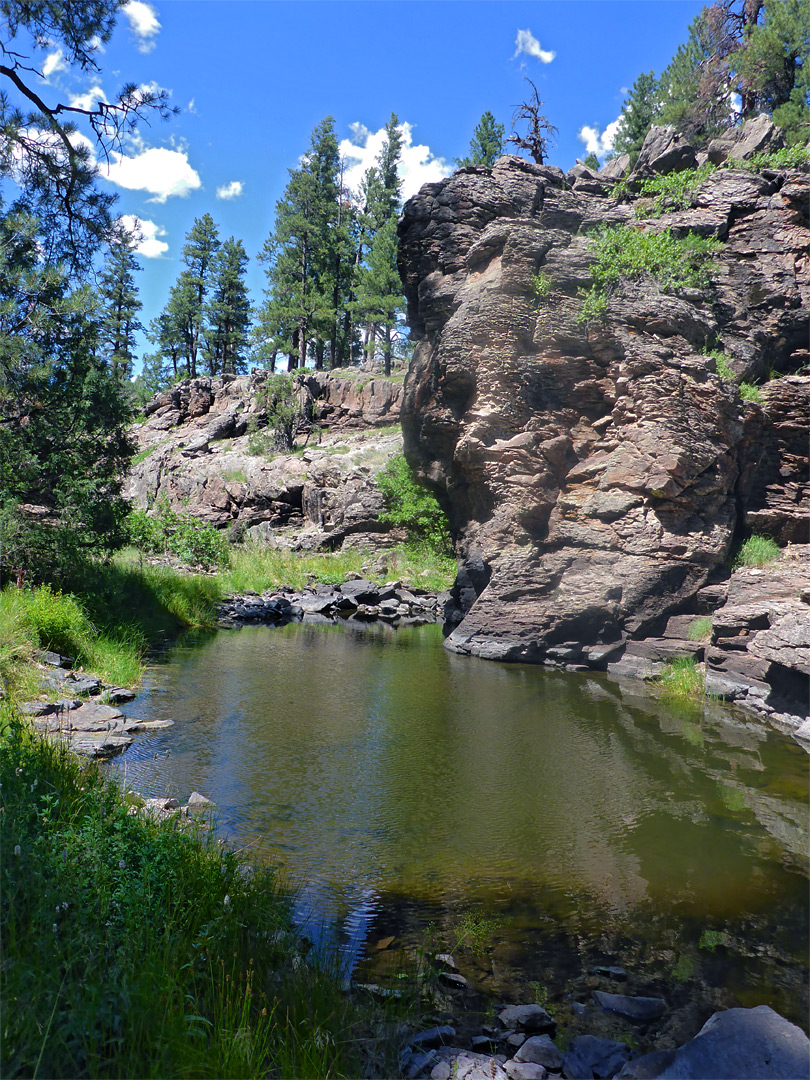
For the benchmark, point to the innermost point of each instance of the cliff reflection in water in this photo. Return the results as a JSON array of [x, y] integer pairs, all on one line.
[[373, 762]]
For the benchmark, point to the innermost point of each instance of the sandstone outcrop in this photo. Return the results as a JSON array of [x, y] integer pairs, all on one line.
[[596, 474]]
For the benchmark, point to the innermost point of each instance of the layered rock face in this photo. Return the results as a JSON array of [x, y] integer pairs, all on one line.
[[195, 456], [595, 474]]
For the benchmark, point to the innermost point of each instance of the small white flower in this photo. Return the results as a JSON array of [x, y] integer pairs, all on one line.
[[18, 771], [55, 928], [121, 864], [227, 901], [17, 850]]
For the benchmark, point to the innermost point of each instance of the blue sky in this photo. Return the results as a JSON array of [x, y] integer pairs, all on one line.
[[253, 77]]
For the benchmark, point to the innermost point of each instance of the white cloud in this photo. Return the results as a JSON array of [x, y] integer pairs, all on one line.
[[88, 100], [597, 142], [146, 234], [161, 172], [192, 108], [230, 191], [527, 43], [417, 164], [54, 62], [144, 23]]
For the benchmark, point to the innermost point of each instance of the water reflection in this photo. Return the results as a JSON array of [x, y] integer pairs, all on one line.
[[370, 762]]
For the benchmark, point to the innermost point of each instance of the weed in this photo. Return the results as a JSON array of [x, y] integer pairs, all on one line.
[[413, 506], [682, 679], [750, 392], [684, 969], [789, 157], [710, 939], [594, 305], [194, 542], [756, 551], [474, 932], [700, 629], [142, 455], [542, 285], [237, 476]]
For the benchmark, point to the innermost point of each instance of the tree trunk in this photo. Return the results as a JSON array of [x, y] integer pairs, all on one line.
[[319, 351], [387, 350], [292, 361]]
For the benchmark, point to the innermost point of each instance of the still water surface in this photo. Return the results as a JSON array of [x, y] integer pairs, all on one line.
[[397, 783]]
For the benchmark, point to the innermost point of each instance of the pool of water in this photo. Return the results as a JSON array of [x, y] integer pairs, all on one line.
[[399, 785]]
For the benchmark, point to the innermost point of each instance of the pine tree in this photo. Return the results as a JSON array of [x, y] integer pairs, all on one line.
[[119, 305], [486, 145], [304, 256], [379, 289], [774, 67], [227, 313], [591, 161], [639, 113]]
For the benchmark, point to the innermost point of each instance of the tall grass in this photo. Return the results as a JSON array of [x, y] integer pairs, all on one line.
[[682, 680], [139, 948], [757, 551]]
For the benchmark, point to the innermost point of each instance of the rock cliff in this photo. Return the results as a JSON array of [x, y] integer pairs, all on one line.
[[596, 474], [196, 455]]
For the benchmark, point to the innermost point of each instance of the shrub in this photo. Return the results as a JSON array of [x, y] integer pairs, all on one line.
[[789, 157], [623, 252], [412, 506], [756, 551], [542, 285], [674, 191], [286, 414], [194, 542]]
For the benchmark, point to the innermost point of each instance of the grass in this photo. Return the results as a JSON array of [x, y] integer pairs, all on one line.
[[257, 567], [756, 551], [700, 629], [134, 947], [682, 680], [748, 391], [673, 191]]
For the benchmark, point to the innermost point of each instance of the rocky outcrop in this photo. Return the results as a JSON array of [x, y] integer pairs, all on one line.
[[198, 454], [596, 474]]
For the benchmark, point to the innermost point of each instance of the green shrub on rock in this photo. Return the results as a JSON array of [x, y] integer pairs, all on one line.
[[412, 506], [757, 551], [194, 542]]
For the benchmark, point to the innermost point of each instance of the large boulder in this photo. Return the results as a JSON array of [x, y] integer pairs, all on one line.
[[663, 151], [739, 1044], [759, 135]]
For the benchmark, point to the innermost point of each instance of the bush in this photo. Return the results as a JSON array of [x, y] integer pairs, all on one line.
[[542, 285], [789, 157], [414, 507], [194, 542], [286, 415], [623, 252], [674, 191], [757, 551]]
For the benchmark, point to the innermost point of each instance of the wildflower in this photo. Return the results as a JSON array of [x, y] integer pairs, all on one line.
[[121, 864], [55, 928], [18, 771], [227, 901], [17, 850]]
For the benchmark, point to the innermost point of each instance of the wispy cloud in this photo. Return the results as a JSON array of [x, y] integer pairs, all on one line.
[[54, 63], [527, 44], [163, 173], [144, 23], [418, 165], [147, 236], [230, 191], [88, 100], [599, 142]]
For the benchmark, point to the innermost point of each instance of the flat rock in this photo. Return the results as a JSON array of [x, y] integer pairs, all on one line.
[[524, 1070], [433, 1037], [738, 1044], [93, 744], [640, 1009], [198, 803]]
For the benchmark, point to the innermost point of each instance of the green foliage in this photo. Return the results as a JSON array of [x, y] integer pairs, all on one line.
[[774, 67], [414, 507], [591, 162], [486, 145], [682, 680], [623, 252], [474, 932], [287, 416], [227, 311], [194, 542], [120, 305], [684, 969], [750, 392], [756, 551], [139, 947], [638, 114], [672, 191], [700, 629], [64, 444], [710, 939], [542, 285], [594, 305], [788, 157]]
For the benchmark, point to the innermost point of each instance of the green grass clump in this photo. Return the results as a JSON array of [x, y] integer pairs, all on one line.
[[673, 191], [623, 252], [700, 629], [542, 285], [133, 947], [748, 391], [756, 551], [682, 679]]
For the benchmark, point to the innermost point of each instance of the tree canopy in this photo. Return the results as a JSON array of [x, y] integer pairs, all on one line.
[[486, 144]]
